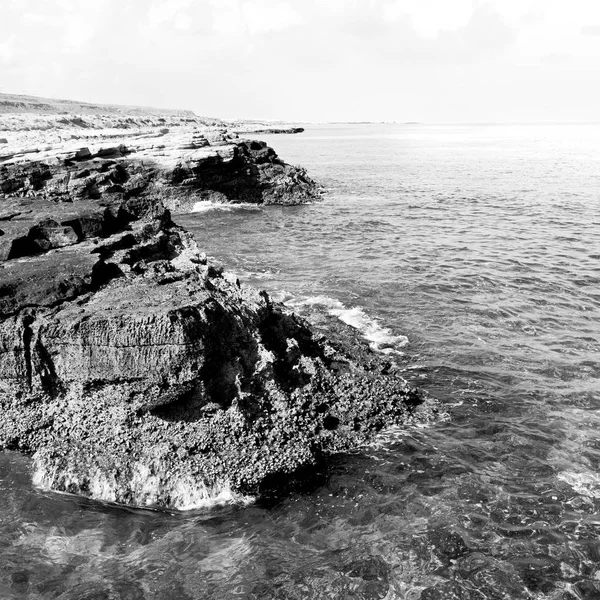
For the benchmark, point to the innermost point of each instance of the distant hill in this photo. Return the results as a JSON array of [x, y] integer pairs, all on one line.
[[15, 103]]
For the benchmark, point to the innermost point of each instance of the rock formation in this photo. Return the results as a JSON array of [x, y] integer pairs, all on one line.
[[133, 369], [262, 128], [180, 169]]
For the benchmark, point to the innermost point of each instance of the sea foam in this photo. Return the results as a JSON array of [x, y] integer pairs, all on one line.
[[584, 484], [207, 205], [147, 490], [380, 337]]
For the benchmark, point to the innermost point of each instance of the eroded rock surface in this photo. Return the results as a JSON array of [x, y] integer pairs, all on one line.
[[133, 369], [180, 171]]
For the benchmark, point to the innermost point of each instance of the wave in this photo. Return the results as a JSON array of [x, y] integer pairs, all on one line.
[[146, 489], [380, 337], [207, 205], [266, 273]]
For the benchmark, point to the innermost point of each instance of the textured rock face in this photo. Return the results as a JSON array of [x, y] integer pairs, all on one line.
[[135, 371], [251, 173], [250, 128], [191, 169]]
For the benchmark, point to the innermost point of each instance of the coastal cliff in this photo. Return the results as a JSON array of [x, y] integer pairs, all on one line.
[[132, 368], [180, 170]]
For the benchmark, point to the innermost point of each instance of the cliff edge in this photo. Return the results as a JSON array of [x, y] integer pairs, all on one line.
[[137, 372]]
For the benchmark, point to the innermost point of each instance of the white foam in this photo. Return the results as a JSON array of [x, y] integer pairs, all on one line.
[[381, 338], [189, 495], [265, 274], [585, 484], [387, 437], [206, 205], [146, 488]]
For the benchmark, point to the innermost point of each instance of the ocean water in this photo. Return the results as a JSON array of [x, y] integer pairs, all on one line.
[[471, 255]]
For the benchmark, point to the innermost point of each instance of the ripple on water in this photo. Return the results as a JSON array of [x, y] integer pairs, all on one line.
[[478, 244]]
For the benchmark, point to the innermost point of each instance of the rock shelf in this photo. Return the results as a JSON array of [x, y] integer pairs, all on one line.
[[131, 367]]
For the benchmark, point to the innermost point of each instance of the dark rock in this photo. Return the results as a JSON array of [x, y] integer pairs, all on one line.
[[253, 174], [120, 150], [134, 371], [269, 130], [83, 154], [249, 171], [48, 234], [276, 130]]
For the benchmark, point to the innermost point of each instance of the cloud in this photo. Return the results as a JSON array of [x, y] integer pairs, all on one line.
[[166, 17], [183, 22], [590, 30], [301, 58], [228, 19], [162, 11], [472, 36], [7, 49], [487, 32], [430, 17], [262, 16], [556, 59]]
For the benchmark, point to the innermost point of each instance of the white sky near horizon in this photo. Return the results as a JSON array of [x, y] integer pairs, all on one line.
[[312, 60]]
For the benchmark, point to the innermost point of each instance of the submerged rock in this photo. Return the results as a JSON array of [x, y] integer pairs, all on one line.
[[135, 371]]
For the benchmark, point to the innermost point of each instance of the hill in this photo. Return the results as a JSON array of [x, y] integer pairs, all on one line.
[[16, 103]]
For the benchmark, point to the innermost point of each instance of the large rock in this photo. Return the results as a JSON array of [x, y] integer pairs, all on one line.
[[180, 171], [136, 372]]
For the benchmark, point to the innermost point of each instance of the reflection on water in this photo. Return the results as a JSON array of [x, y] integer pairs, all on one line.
[[481, 246]]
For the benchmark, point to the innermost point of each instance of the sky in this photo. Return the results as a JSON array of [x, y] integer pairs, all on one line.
[[432, 61]]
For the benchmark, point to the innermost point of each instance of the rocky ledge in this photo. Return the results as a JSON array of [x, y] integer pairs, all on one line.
[[133, 369], [180, 169]]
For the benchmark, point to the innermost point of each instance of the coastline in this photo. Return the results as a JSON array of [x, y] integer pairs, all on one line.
[[134, 369]]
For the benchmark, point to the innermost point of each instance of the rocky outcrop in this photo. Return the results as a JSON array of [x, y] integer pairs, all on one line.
[[180, 170], [137, 372], [264, 129]]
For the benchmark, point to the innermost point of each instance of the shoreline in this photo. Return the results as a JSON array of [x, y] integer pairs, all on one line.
[[133, 369]]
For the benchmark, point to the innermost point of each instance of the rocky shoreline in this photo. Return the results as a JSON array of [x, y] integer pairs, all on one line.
[[133, 369]]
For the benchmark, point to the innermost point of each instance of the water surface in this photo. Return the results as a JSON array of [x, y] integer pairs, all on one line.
[[469, 253]]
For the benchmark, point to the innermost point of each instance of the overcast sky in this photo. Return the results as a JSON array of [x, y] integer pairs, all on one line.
[[393, 60]]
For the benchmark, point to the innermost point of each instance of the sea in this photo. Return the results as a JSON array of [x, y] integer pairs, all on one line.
[[470, 255]]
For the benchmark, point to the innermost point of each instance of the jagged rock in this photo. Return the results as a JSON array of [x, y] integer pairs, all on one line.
[[244, 171], [3, 141], [83, 154], [120, 150], [46, 280], [268, 130], [134, 369], [49, 234]]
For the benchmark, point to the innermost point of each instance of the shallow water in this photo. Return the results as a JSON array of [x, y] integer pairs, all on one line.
[[471, 254]]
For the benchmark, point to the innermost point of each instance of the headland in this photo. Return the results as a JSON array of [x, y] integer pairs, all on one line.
[[132, 368]]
